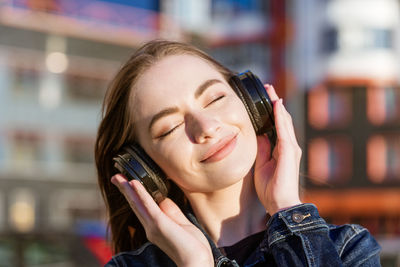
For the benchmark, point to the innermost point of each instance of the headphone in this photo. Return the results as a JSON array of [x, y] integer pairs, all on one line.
[[134, 163]]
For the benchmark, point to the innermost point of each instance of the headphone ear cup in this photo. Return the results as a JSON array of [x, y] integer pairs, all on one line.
[[256, 100], [248, 103], [136, 164]]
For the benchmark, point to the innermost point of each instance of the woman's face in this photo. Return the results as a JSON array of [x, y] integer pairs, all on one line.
[[192, 124]]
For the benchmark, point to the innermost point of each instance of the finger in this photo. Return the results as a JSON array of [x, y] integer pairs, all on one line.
[[271, 92], [280, 121], [289, 125], [148, 206], [263, 151], [124, 187], [138, 198], [173, 212]]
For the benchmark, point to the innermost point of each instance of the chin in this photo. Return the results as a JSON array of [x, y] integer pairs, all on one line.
[[241, 167], [236, 167]]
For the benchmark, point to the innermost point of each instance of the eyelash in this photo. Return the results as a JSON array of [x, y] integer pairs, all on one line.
[[170, 131], [173, 129], [215, 100]]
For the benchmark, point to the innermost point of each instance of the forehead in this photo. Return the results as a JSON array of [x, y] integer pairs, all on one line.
[[168, 81]]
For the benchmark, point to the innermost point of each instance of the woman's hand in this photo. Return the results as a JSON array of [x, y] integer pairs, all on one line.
[[276, 176], [166, 226]]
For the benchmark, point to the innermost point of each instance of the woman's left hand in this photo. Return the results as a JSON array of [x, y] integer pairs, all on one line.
[[276, 174]]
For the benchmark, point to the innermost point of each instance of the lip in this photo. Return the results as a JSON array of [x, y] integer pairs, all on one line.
[[220, 150]]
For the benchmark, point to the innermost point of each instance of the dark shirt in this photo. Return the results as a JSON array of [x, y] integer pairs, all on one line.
[[241, 250]]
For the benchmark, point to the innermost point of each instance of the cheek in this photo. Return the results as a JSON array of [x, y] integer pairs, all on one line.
[[174, 158], [237, 112]]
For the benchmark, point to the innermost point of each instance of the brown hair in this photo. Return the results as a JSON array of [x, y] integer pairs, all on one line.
[[117, 129]]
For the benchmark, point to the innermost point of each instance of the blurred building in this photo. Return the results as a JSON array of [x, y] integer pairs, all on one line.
[[335, 62], [352, 119], [243, 34]]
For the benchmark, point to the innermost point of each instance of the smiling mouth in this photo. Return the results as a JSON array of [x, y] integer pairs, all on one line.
[[221, 149]]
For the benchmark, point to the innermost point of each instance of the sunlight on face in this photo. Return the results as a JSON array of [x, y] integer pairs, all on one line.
[[192, 124]]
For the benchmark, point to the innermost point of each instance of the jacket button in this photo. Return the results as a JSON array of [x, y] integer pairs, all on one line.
[[297, 217]]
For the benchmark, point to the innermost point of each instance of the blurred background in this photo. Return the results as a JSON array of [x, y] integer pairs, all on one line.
[[335, 62]]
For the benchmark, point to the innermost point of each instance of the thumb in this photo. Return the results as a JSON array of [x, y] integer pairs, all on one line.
[[173, 211], [263, 151]]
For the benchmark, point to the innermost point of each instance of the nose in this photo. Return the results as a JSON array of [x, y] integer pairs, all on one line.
[[201, 127]]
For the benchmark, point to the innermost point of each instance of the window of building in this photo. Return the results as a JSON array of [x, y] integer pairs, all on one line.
[[7, 248], [330, 160], [234, 6], [383, 104], [85, 89], [353, 134], [355, 38], [329, 40], [25, 83], [381, 38], [383, 158], [45, 252], [79, 150], [329, 108], [26, 149], [240, 57]]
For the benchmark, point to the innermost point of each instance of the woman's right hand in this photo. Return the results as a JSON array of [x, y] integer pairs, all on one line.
[[166, 226]]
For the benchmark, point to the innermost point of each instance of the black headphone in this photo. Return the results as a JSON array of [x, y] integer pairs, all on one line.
[[134, 163]]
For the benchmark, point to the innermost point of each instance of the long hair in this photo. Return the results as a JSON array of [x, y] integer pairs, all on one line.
[[117, 129]]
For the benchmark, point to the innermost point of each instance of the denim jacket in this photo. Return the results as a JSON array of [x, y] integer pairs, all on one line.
[[297, 236]]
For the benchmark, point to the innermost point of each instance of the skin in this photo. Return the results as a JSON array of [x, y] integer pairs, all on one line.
[[229, 197]]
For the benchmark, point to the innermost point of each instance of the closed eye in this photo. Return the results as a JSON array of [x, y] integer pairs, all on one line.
[[215, 100], [169, 131]]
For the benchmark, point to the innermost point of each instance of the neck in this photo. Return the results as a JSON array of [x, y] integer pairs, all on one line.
[[230, 214]]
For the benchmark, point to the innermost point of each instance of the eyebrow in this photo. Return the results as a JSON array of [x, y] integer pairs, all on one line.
[[199, 91], [162, 113]]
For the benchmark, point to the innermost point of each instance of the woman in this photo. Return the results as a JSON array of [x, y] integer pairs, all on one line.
[[232, 200]]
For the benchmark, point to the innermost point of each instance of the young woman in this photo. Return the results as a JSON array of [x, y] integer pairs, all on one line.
[[232, 201]]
